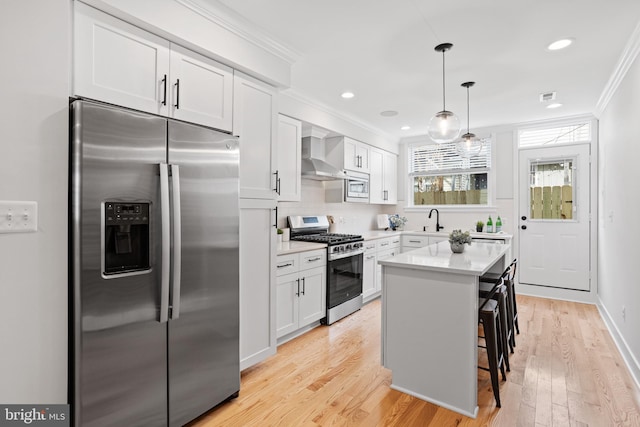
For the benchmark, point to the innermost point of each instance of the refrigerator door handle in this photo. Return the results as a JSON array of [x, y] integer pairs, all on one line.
[[166, 243], [177, 242]]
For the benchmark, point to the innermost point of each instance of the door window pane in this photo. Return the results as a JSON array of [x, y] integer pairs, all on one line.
[[551, 186], [455, 189]]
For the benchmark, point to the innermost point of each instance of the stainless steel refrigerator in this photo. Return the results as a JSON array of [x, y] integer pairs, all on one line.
[[153, 268]]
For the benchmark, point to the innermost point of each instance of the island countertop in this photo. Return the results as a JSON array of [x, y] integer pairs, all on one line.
[[476, 259]]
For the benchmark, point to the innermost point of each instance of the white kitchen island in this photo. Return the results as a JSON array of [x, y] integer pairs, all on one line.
[[430, 321]]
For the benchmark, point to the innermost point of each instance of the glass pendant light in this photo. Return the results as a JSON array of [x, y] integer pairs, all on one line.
[[444, 126], [469, 145]]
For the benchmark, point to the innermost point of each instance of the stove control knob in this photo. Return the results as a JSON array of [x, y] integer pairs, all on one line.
[[348, 247], [336, 249]]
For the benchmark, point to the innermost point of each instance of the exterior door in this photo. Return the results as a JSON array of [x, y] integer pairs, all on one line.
[[554, 217]]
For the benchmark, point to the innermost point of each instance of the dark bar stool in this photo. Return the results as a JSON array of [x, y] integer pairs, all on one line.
[[489, 317], [509, 276], [506, 331]]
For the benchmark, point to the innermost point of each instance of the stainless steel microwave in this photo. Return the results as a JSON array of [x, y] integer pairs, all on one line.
[[356, 187]]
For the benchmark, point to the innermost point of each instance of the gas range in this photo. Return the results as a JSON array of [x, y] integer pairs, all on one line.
[[344, 263], [315, 229]]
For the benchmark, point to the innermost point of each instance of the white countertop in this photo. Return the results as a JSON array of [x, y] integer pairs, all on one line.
[[476, 259], [379, 234], [294, 246], [474, 235]]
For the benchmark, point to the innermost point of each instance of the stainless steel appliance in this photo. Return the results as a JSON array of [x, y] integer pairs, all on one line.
[[154, 262], [356, 187], [344, 263]]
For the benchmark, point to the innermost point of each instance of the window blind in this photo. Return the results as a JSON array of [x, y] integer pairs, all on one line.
[[558, 135], [444, 158]]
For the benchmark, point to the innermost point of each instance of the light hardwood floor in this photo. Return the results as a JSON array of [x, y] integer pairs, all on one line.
[[566, 371]]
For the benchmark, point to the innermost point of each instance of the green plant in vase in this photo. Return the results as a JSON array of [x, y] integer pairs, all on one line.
[[457, 240], [479, 226]]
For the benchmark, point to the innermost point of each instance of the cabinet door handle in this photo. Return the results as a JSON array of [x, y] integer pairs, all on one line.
[[298, 292], [277, 189], [275, 223], [371, 257], [177, 94], [415, 241], [164, 85], [385, 195], [289, 264], [384, 244], [303, 286], [314, 259]]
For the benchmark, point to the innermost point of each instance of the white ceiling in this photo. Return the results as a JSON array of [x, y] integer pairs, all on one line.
[[383, 51]]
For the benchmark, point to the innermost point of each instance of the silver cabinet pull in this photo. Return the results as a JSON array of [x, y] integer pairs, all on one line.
[[415, 241], [303, 286], [166, 243], [298, 292], [314, 259], [289, 264]]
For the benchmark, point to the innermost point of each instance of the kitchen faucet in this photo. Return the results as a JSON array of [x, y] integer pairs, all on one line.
[[438, 226]]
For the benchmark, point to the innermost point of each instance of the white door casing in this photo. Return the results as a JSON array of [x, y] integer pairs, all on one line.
[[554, 220]]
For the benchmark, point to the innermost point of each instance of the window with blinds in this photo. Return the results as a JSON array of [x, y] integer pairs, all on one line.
[[557, 135], [441, 176]]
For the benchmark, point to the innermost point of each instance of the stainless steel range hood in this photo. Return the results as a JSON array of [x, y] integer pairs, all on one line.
[[313, 164]]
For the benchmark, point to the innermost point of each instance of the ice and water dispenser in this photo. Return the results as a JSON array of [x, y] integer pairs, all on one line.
[[126, 237]]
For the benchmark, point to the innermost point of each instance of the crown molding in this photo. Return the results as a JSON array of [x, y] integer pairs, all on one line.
[[298, 96], [230, 20], [629, 55]]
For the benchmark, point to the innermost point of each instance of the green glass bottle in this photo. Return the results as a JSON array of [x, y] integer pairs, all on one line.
[[489, 226], [498, 225]]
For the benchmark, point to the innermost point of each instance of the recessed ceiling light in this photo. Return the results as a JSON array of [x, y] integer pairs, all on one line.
[[554, 105], [405, 128], [389, 113], [560, 44], [347, 95]]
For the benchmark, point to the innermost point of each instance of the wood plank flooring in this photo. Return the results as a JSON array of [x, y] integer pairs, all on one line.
[[566, 371]]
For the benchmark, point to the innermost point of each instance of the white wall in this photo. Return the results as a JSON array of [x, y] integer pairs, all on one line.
[[618, 208], [34, 44]]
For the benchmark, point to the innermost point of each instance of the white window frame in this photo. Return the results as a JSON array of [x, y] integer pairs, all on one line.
[[491, 184]]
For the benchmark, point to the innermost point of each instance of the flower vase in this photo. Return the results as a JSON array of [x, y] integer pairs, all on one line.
[[457, 248]]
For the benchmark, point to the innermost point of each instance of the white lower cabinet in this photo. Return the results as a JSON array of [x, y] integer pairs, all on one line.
[[257, 281], [369, 270], [301, 290], [376, 250]]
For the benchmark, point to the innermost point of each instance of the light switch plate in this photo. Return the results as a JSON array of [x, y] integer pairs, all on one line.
[[18, 217]]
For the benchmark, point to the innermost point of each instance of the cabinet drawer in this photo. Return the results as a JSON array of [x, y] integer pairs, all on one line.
[[415, 241], [388, 253], [311, 259], [388, 243], [369, 246], [289, 263]]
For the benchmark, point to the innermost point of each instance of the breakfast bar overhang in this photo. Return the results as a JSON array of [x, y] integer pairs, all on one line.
[[430, 321]]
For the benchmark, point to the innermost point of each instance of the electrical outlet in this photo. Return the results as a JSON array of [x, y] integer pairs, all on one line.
[[18, 217]]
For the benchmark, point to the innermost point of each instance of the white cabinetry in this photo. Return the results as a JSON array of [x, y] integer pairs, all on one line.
[[289, 158], [347, 153], [301, 290], [255, 122], [376, 250], [121, 64], [411, 241], [201, 89], [257, 276], [369, 270], [383, 179]]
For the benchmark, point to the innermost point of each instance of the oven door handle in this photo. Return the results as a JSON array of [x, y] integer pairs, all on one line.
[[334, 257]]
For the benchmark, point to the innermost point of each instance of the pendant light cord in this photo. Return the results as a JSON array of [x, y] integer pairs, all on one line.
[[468, 109], [444, 108]]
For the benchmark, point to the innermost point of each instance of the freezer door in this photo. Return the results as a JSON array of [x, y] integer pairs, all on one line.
[[204, 334], [119, 347]]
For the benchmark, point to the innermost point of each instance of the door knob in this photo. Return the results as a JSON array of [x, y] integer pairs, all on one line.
[[524, 218], [524, 227]]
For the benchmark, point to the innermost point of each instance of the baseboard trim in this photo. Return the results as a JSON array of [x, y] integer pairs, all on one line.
[[629, 359]]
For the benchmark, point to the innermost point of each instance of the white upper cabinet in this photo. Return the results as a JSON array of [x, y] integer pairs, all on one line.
[[118, 63], [289, 159], [121, 64], [201, 89], [383, 179], [347, 153], [255, 122]]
